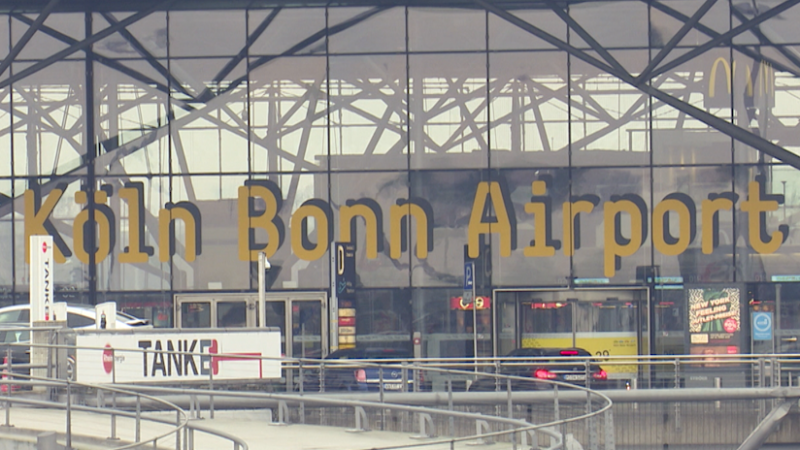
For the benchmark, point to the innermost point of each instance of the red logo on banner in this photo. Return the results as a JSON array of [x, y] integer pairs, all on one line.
[[108, 358], [730, 325], [44, 247]]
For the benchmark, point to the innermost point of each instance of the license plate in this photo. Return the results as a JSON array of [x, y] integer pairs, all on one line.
[[392, 386], [574, 377]]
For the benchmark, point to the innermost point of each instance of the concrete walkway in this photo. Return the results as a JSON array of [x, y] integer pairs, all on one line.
[[92, 432]]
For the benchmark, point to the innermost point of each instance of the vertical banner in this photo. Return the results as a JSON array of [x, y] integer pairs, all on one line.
[[42, 280], [345, 292]]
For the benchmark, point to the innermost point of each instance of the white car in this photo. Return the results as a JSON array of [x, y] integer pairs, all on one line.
[[15, 324], [78, 316]]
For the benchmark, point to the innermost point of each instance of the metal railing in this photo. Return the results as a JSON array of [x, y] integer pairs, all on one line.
[[179, 429], [549, 423]]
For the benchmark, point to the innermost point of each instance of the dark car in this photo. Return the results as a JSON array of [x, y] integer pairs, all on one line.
[[567, 365], [358, 369]]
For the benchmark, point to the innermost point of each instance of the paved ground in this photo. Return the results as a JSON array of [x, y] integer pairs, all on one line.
[[91, 432]]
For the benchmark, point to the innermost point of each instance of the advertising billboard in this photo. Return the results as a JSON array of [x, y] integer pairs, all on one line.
[[153, 356], [715, 320]]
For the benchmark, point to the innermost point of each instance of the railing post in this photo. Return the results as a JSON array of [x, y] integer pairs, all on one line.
[[177, 430], [451, 419], [591, 423], [380, 391], [302, 409], [556, 412], [138, 429], [7, 386], [69, 416], [211, 393], [510, 406], [609, 431], [677, 365], [321, 376], [113, 416], [404, 376], [362, 422]]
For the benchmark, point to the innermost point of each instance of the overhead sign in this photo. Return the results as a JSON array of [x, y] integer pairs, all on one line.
[[42, 280], [131, 357], [762, 326]]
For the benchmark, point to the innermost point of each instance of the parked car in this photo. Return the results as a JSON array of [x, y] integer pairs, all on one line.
[[538, 365], [347, 370], [15, 324]]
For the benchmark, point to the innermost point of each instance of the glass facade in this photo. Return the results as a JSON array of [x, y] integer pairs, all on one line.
[[594, 174]]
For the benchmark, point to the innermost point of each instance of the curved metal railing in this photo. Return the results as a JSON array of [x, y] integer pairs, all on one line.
[[180, 426], [495, 426]]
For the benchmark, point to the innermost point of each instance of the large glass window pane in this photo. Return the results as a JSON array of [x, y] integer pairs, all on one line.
[[681, 250], [368, 115], [206, 33], [539, 257], [135, 261], [447, 326], [364, 203], [609, 116], [147, 35], [49, 109], [506, 36], [596, 18], [705, 82], [448, 116], [771, 249], [6, 239], [529, 107], [615, 235], [383, 319], [431, 29], [42, 45], [6, 123], [131, 118], [289, 108], [287, 29], [71, 272], [451, 196], [381, 32]]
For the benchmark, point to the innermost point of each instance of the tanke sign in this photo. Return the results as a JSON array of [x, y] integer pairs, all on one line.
[[106, 357]]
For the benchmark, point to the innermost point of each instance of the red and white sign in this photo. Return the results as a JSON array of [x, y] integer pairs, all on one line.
[[42, 281], [480, 303], [173, 356]]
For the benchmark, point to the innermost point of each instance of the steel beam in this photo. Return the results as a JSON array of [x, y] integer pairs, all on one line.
[[763, 39], [84, 44], [711, 33], [687, 26], [764, 429], [139, 48], [23, 41], [715, 122], [585, 36], [306, 42], [699, 50], [204, 96]]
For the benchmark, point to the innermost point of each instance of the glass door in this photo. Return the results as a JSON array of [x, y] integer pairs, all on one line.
[[301, 317], [605, 322]]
